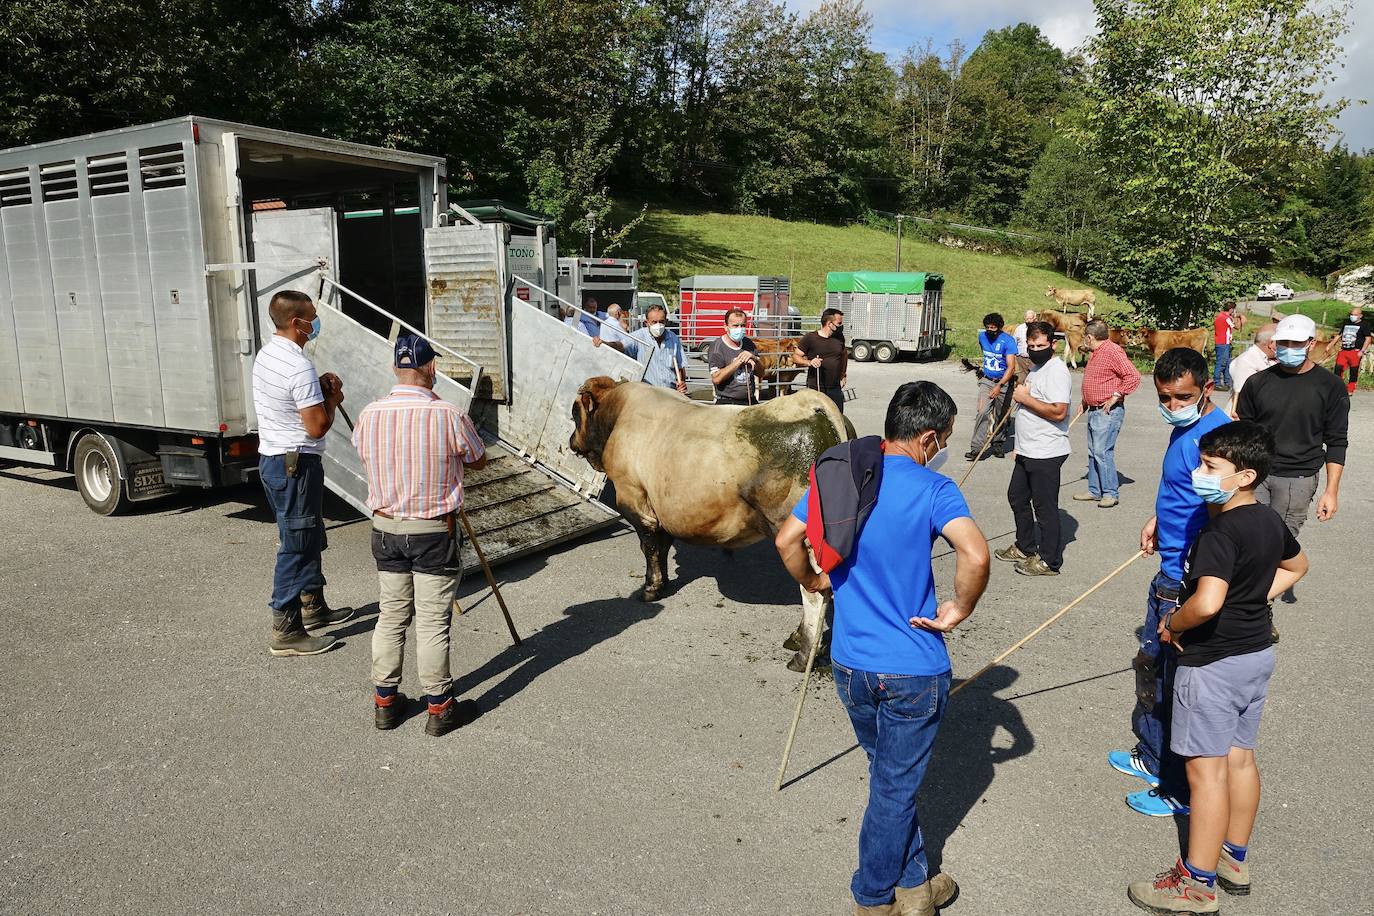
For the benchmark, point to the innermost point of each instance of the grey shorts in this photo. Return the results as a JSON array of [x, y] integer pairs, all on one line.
[[1217, 706]]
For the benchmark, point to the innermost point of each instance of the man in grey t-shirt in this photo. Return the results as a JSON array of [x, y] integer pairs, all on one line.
[[733, 360], [1042, 444]]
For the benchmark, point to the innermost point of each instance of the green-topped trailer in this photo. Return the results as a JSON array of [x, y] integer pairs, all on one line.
[[889, 313]]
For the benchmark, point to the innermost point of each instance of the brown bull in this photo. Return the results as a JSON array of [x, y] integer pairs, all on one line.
[[715, 476], [1073, 327], [776, 364]]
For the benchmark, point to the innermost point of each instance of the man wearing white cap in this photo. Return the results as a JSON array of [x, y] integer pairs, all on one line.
[[1308, 411]]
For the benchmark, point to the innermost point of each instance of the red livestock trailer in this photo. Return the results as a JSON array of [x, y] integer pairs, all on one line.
[[703, 301]]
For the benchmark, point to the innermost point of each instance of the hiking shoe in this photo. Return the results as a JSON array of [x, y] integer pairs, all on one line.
[[390, 712], [1034, 566], [882, 909], [925, 899], [289, 636], [1108, 502], [1086, 497], [1233, 877], [316, 612], [1012, 554], [1153, 803], [1129, 762], [450, 715], [1288, 597], [1174, 891], [968, 456]]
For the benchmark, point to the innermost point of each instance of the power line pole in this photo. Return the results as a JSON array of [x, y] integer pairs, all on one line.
[[900, 217]]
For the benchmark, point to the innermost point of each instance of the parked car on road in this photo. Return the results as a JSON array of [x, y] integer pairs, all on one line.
[[1274, 291]]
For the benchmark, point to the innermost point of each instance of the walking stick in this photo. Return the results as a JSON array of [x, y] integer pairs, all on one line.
[[801, 701], [1038, 630], [491, 579], [987, 443]]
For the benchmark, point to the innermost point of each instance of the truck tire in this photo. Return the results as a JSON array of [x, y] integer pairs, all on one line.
[[862, 351], [97, 475], [885, 352]]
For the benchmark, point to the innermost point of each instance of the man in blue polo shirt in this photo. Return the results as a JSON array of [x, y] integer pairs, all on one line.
[[995, 379], [888, 649], [1185, 402]]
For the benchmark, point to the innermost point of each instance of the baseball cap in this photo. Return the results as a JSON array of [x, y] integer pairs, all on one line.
[[412, 352], [1296, 327]]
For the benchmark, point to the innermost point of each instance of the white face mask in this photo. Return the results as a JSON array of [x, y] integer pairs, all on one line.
[[657, 330], [937, 460]]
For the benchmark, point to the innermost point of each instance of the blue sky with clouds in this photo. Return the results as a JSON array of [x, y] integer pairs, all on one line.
[[900, 24]]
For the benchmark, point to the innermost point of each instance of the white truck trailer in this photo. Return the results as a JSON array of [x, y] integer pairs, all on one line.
[[607, 279], [135, 270]]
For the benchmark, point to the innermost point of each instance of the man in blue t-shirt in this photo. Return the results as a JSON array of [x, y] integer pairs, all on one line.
[[995, 379], [1185, 402], [888, 649]]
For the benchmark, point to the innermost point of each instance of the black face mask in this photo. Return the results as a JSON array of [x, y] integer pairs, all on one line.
[[1040, 357]]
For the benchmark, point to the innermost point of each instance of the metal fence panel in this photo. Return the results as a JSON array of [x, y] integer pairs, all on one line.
[[464, 266]]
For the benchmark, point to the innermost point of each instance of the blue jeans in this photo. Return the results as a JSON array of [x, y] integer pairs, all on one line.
[[1103, 428], [1222, 374], [896, 718], [297, 502], [1150, 720]]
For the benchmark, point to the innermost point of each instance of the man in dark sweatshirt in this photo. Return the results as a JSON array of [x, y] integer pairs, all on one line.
[[1308, 411]]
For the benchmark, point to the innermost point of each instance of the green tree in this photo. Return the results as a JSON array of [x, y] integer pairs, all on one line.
[[1068, 200], [1203, 111]]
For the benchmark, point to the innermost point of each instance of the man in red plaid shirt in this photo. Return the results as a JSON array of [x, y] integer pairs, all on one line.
[[1107, 379]]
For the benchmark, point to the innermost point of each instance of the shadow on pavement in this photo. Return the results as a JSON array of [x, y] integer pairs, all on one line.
[[582, 627], [750, 575], [965, 760]]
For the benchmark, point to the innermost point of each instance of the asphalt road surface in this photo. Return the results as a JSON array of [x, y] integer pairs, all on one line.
[[155, 759]]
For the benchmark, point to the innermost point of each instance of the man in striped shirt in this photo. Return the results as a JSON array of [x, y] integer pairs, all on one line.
[[414, 447], [1108, 378]]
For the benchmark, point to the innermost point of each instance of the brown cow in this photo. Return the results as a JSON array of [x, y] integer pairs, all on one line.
[[775, 364], [1160, 342], [716, 476], [1084, 298], [1073, 327]]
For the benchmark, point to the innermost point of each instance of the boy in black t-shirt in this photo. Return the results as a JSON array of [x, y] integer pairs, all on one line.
[[1240, 561]]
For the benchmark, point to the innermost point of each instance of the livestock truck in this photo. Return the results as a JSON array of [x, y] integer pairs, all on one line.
[[888, 313], [704, 300], [136, 267], [605, 279]]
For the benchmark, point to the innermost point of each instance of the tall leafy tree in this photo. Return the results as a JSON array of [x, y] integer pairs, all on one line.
[[1203, 109], [1068, 200]]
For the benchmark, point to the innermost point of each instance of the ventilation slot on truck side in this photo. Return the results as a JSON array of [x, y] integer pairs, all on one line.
[[14, 188], [108, 174], [58, 181], [162, 167]]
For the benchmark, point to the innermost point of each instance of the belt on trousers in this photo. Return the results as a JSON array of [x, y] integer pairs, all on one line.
[[391, 525]]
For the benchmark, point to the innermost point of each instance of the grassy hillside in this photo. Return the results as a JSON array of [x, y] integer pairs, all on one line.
[[672, 245]]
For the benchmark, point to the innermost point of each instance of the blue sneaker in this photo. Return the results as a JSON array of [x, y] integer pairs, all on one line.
[[1153, 803], [1129, 762]]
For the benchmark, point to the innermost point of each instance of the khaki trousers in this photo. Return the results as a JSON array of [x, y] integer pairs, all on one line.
[[427, 597]]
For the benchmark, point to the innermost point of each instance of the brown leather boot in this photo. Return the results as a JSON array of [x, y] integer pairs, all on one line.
[[316, 612], [882, 909], [925, 899], [289, 636]]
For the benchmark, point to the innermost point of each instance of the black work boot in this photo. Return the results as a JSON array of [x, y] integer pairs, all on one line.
[[316, 612], [390, 711], [450, 715], [289, 636]]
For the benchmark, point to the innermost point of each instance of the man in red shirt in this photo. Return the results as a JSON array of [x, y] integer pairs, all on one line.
[[1223, 327], [1107, 379]]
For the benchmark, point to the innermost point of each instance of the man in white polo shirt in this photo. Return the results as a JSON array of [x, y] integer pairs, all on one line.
[[1042, 444], [295, 409]]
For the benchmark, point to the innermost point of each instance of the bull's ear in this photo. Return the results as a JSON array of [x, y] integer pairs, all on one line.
[[587, 401]]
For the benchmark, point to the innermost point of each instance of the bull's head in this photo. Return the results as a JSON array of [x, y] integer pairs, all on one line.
[[591, 421], [1050, 291]]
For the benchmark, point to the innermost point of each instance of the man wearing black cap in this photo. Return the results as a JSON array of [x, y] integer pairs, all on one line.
[[414, 446]]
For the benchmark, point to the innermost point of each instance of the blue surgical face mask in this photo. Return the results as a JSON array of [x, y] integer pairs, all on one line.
[[1291, 357], [1208, 487], [1184, 417], [737, 334], [314, 328]]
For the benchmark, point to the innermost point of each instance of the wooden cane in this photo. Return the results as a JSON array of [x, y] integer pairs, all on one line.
[[491, 579], [987, 443], [801, 701], [1040, 629]]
